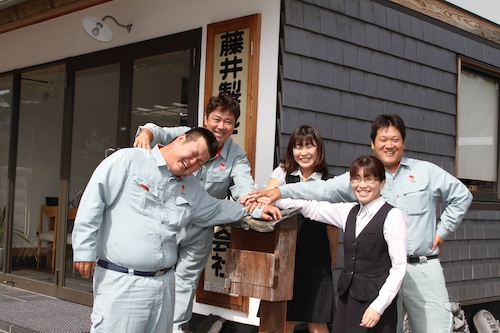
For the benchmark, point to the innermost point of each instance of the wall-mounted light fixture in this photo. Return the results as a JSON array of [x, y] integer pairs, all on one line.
[[99, 30]]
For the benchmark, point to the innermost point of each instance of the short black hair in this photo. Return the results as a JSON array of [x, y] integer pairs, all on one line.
[[226, 103], [386, 120], [194, 133]]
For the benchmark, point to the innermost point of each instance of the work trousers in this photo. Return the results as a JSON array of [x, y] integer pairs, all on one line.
[[424, 296], [132, 304], [193, 249]]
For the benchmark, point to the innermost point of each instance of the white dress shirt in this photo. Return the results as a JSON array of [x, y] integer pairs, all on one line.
[[394, 234]]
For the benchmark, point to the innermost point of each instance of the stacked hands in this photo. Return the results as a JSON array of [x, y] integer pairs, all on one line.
[[259, 198]]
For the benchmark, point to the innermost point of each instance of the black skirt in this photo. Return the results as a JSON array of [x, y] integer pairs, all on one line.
[[350, 311], [313, 292]]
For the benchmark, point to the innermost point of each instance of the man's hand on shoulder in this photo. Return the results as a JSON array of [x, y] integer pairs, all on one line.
[[143, 140]]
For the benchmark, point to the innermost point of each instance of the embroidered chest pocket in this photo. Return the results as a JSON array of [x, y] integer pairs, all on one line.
[[145, 193], [215, 175], [179, 211]]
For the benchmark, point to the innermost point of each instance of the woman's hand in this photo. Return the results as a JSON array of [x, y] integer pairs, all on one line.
[[370, 318], [263, 197], [271, 213]]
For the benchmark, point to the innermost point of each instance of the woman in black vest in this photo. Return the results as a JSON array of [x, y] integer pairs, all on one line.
[[316, 248], [374, 250]]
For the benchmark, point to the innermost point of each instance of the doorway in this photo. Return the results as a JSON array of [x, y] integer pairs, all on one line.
[[69, 114]]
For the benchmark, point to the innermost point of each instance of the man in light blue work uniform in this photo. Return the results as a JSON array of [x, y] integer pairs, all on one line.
[[415, 187], [133, 207], [229, 171]]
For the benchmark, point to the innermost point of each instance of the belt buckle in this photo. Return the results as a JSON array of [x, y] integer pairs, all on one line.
[[415, 259], [422, 259], [160, 272]]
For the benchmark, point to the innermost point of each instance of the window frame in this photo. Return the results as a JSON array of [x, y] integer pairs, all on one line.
[[490, 72]]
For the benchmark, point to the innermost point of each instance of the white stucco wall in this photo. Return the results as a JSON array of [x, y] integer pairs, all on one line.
[[64, 37]]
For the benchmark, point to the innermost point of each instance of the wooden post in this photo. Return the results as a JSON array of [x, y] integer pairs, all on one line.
[[261, 265]]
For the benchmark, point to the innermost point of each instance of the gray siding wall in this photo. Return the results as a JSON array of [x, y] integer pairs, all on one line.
[[344, 62], [471, 258]]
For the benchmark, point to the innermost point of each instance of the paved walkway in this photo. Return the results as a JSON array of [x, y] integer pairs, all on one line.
[[23, 311]]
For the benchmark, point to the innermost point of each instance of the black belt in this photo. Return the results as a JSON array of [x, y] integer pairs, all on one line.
[[113, 267], [418, 259]]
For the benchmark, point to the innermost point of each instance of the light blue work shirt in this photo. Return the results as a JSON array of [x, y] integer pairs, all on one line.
[[416, 188], [230, 170], [133, 207]]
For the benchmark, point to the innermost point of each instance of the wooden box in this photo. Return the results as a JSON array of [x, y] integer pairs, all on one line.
[[261, 264]]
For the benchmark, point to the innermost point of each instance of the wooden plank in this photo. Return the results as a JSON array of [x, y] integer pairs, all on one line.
[[249, 114], [236, 303], [454, 16], [26, 14], [246, 240], [285, 252], [272, 317], [264, 275], [33, 7], [249, 273]]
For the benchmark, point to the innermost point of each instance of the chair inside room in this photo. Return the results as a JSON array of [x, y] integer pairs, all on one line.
[[47, 232]]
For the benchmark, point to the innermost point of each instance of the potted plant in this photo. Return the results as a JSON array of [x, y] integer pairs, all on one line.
[[19, 233]]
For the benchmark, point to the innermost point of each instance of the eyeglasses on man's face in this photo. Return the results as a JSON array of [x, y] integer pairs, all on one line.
[[367, 180]]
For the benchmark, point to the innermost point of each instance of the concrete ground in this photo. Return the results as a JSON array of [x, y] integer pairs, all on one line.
[[23, 311]]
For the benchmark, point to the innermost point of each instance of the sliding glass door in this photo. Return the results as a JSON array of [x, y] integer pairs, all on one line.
[[69, 115], [37, 173]]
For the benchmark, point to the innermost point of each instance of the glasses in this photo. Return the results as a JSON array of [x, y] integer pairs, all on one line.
[[367, 180]]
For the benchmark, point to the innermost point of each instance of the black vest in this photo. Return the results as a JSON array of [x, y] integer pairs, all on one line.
[[366, 258], [311, 235]]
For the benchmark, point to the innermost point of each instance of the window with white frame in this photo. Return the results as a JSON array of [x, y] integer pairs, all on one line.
[[477, 129]]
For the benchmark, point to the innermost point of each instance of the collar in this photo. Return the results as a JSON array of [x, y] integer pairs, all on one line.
[[403, 163], [219, 150], [224, 150], [314, 176], [157, 156], [160, 160], [372, 207]]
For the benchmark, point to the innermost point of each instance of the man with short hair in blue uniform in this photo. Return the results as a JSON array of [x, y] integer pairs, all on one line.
[[135, 204], [229, 171]]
